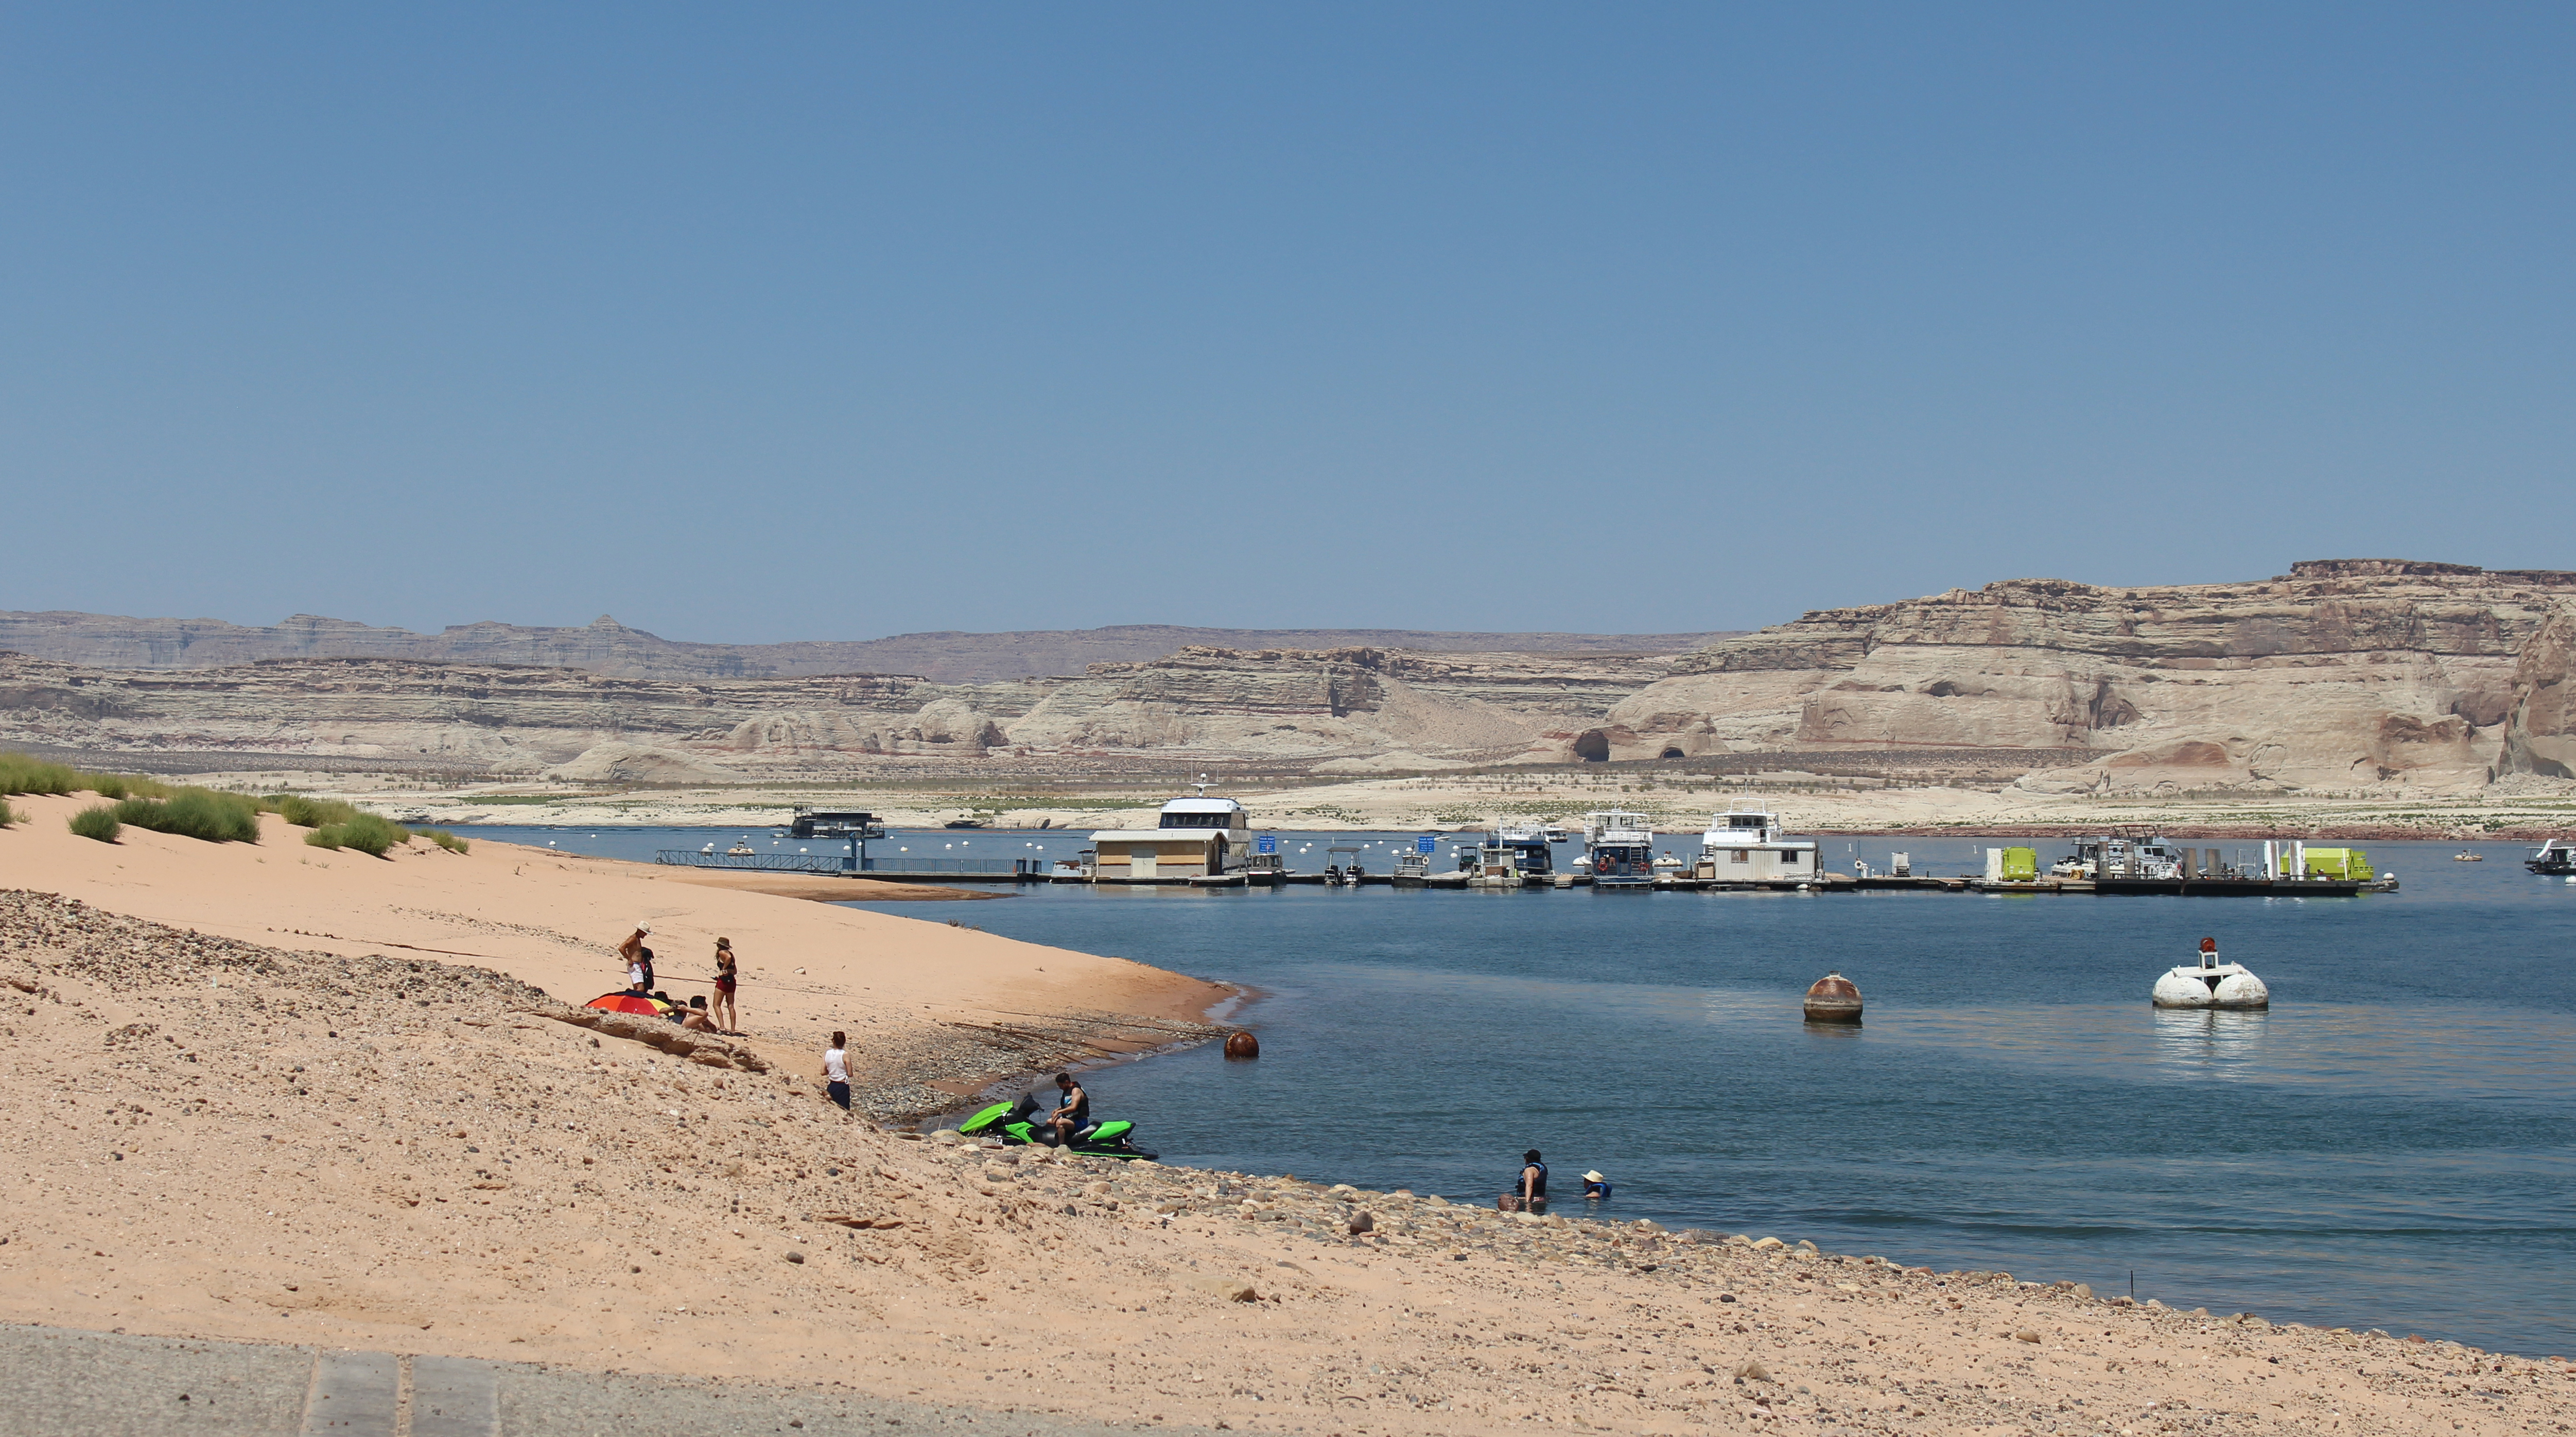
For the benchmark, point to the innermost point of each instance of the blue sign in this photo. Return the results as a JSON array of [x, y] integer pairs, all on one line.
[[1425, 844], [1266, 843]]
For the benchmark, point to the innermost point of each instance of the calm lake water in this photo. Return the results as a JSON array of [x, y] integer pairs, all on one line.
[[2392, 1145]]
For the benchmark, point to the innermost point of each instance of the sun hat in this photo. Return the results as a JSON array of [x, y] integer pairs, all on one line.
[[1592, 1177], [642, 928]]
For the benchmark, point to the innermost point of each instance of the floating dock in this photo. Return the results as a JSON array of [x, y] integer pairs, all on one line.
[[909, 870], [1038, 870]]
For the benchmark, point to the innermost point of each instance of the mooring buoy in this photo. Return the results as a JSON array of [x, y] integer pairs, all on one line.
[[1833, 999], [1240, 1044]]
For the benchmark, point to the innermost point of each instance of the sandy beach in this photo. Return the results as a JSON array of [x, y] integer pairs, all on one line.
[[238, 1109]]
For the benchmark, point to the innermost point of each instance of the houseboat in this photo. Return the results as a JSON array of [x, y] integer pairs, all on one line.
[[2555, 857], [1746, 844], [1528, 844], [1619, 849], [1196, 837]]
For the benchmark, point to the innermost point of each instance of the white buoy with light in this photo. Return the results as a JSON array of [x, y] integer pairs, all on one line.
[[2211, 984]]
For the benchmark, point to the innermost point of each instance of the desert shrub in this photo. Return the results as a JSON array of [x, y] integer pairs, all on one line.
[[22, 774], [8, 815], [304, 812], [365, 832], [97, 821], [442, 838], [195, 813]]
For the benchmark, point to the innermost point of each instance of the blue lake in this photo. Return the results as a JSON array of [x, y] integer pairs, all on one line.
[[2392, 1145]]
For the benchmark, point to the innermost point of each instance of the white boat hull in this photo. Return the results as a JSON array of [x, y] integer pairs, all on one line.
[[2226, 986]]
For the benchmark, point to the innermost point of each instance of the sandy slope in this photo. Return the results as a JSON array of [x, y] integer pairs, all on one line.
[[553, 920], [217, 1137]]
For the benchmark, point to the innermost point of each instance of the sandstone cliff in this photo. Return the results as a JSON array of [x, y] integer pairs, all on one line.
[[2346, 673], [608, 647], [1284, 704], [2540, 728], [2340, 672]]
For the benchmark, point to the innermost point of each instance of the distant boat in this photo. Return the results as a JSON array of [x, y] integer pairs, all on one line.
[[2556, 857], [2465, 856], [963, 823]]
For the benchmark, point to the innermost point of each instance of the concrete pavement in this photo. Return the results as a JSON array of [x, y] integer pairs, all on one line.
[[63, 1380]]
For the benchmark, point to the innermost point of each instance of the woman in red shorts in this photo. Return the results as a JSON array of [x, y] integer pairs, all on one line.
[[726, 1019]]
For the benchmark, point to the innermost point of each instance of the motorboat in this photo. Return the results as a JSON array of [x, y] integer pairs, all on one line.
[[2208, 983], [1413, 865], [2555, 858]]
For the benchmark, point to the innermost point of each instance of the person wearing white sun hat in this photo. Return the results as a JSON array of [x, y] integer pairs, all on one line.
[[1595, 1186]]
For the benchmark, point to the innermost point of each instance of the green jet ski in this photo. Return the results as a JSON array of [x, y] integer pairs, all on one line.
[[1025, 1122]]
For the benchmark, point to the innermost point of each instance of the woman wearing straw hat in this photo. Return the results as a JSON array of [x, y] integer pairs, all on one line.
[[1595, 1187]]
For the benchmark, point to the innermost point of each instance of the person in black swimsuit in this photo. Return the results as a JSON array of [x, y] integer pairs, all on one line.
[[1533, 1182]]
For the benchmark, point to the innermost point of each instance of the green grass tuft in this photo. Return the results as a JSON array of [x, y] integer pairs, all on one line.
[[195, 813], [365, 832], [304, 812], [97, 821], [8, 815], [442, 838]]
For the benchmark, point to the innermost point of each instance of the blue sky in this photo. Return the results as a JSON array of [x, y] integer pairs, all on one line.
[[774, 322]]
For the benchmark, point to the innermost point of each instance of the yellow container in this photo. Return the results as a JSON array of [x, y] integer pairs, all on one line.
[[2349, 863]]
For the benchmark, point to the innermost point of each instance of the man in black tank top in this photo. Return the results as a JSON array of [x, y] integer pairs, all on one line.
[[1533, 1182], [1074, 1114]]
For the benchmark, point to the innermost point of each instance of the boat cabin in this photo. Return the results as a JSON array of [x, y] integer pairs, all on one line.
[[1748, 844], [1197, 837], [1524, 846], [1619, 847]]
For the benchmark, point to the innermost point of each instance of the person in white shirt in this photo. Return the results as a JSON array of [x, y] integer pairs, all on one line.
[[836, 1070]]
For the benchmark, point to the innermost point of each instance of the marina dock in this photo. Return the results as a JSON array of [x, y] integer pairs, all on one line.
[[1207, 842]]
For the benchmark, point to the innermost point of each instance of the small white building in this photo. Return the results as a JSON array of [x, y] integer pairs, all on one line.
[[1746, 844], [1197, 837]]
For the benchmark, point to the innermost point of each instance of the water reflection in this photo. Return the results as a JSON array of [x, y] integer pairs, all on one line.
[[2208, 1042]]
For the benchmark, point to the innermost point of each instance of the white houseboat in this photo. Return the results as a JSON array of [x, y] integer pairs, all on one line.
[[1747, 844], [1197, 837]]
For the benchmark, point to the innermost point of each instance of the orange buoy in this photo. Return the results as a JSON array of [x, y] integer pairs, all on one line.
[[1833, 999], [1240, 1044]]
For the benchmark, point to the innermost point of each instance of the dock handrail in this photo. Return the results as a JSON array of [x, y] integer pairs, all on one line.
[[834, 863]]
